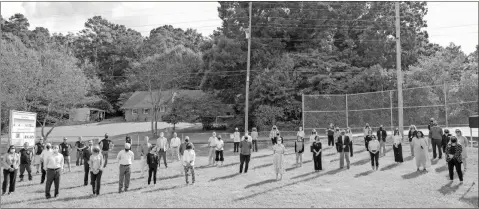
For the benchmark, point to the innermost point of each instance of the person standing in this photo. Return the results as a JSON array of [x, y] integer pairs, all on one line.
[[236, 140], [175, 143], [152, 161], [382, 134], [349, 133], [43, 157], [128, 139], [300, 133], [454, 158], [87, 152], [79, 145], [53, 163], [144, 150], [397, 147], [446, 138], [464, 144], [125, 159], [367, 132], [11, 163], [278, 159], [374, 152], [38, 149], [189, 158], [96, 161], [330, 133], [436, 139], [420, 151], [162, 147], [368, 139], [182, 150], [344, 144], [245, 154], [106, 146], [254, 136], [337, 134], [212, 148], [220, 144], [299, 150], [26, 157], [412, 133], [273, 134], [316, 149], [65, 150]]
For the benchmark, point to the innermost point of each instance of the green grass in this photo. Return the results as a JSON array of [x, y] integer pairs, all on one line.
[[392, 186]]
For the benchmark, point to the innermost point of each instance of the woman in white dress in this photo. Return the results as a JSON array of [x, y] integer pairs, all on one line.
[[421, 151], [278, 159], [462, 140]]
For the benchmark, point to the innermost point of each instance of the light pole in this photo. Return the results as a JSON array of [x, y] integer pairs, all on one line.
[[248, 36]]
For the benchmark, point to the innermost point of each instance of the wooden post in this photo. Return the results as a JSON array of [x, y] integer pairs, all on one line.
[[391, 107], [347, 120], [445, 102], [248, 69], [302, 112], [399, 73]]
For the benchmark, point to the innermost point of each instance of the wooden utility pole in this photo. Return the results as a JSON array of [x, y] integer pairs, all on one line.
[[1, 50], [247, 69], [399, 72]]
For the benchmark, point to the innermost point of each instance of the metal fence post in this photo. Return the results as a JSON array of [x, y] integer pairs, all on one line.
[[391, 107], [302, 110], [445, 102], [347, 122]]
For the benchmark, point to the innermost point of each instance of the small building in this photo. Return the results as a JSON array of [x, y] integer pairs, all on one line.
[[87, 114]]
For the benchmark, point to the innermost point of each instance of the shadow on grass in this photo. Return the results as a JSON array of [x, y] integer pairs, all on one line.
[[448, 188], [164, 189], [471, 200], [260, 183], [263, 166], [330, 154], [225, 177], [390, 166], [363, 174], [434, 162], [170, 177], [408, 158], [21, 201], [303, 175], [441, 169], [361, 162], [359, 151], [414, 174]]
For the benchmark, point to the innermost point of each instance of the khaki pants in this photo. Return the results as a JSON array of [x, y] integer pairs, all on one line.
[[175, 153], [211, 156], [124, 176], [342, 156]]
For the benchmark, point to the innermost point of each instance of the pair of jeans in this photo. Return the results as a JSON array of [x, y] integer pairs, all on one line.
[[27, 167], [211, 156], [86, 168], [44, 174], [255, 145], [317, 162], [192, 169], [330, 140], [9, 177], [342, 156], [125, 173], [382, 148], [374, 159], [436, 143], [244, 160], [96, 182], [236, 147], [219, 156], [152, 173], [105, 157], [53, 176], [79, 158], [454, 163]]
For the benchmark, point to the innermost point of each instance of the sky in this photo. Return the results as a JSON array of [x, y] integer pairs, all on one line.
[[447, 22]]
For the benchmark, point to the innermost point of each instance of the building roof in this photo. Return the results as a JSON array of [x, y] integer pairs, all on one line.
[[142, 99]]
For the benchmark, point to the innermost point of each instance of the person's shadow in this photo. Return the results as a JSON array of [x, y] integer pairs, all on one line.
[[448, 188]]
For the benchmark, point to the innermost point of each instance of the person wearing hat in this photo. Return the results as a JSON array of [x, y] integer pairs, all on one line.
[[446, 138], [236, 140], [125, 159], [53, 163], [273, 134], [26, 156], [189, 157], [11, 163], [254, 137], [65, 150], [220, 144], [38, 149], [344, 143], [106, 145], [43, 157]]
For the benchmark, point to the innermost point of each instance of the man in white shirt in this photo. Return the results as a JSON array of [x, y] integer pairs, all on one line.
[[236, 140], [43, 158], [212, 147], [125, 159], [254, 140], [54, 164], [175, 147], [189, 158], [162, 147]]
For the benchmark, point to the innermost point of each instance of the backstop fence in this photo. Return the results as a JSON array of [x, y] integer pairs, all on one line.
[[450, 105]]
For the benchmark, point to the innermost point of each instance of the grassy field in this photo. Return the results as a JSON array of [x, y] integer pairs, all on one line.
[[394, 185]]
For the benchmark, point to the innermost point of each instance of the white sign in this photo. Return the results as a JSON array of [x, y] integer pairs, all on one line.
[[22, 127]]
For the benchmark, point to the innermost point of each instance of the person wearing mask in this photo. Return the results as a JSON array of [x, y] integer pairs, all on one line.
[[381, 134], [278, 159], [174, 147], [53, 163], [162, 147], [128, 139], [254, 137], [38, 149], [412, 133], [189, 158], [45, 154], [436, 140], [11, 163], [464, 144], [87, 152], [397, 147], [374, 152], [95, 162], [79, 145], [330, 133], [26, 157], [299, 150], [343, 144], [106, 146], [125, 159], [236, 140], [420, 151], [446, 138], [316, 149], [65, 150], [454, 158], [212, 148], [144, 150], [300, 133], [220, 144], [152, 161], [245, 154], [273, 134]]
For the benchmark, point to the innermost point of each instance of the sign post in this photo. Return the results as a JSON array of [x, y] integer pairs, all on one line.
[[22, 128]]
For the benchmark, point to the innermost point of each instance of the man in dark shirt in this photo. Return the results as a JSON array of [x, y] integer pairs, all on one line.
[[446, 138], [26, 157], [382, 134], [105, 145], [80, 146], [245, 153], [87, 152], [65, 150], [330, 133], [344, 144]]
